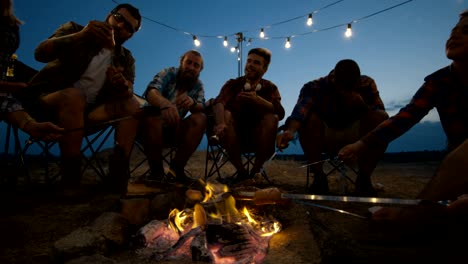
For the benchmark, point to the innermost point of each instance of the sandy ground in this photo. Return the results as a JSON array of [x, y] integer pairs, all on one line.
[[33, 218]]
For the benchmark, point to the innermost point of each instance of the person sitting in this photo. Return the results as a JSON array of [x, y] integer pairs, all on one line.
[[88, 79], [176, 91], [445, 90], [246, 115], [11, 109], [331, 112]]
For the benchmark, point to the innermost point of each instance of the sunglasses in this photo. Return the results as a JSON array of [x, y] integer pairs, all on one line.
[[128, 27]]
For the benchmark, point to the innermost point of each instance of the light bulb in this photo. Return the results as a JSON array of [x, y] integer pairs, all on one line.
[[262, 34], [348, 32], [288, 43], [233, 49], [196, 42], [225, 42], [309, 20]]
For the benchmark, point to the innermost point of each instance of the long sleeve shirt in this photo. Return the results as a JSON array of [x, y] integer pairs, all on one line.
[[441, 90]]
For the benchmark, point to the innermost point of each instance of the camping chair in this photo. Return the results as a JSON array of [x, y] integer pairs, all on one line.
[[12, 157], [332, 164], [217, 158], [93, 143]]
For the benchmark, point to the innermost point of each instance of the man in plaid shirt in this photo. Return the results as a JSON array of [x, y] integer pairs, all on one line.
[[447, 91], [331, 112]]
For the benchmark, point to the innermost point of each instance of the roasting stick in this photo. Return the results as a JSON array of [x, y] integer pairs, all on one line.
[[273, 195]]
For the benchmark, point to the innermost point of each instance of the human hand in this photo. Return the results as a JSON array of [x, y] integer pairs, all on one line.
[[248, 97], [184, 101], [459, 206], [101, 31], [282, 140], [46, 131], [352, 151], [170, 115], [219, 130], [12, 87], [119, 83]]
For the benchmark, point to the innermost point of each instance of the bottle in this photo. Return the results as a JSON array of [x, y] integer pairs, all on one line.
[[10, 71]]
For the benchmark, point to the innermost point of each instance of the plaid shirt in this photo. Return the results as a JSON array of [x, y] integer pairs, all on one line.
[[441, 90], [320, 96], [165, 82]]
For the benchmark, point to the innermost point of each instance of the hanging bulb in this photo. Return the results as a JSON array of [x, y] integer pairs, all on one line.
[[288, 43], [233, 49], [309, 20], [225, 42], [348, 32], [262, 33], [196, 42], [249, 42]]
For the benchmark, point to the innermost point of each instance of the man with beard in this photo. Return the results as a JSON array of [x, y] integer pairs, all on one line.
[[88, 79], [176, 91], [246, 113]]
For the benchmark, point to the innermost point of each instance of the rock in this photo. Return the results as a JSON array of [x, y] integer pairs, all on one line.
[[112, 226], [107, 232], [83, 241], [135, 210]]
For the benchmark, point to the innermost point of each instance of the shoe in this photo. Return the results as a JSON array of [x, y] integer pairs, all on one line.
[[178, 176], [319, 185]]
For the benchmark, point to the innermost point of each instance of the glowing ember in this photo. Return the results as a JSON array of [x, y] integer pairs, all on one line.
[[214, 230]]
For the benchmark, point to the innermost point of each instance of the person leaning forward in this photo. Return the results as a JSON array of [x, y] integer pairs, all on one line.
[[446, 90], [246, 113], [331, 112], [89, 79]]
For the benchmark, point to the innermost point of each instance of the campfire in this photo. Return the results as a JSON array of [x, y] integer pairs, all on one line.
[[213, 230]]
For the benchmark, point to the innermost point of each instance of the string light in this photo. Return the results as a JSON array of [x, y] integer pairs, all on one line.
[[348, 33], [309, 20], [233, 49], [249, 42], [288, 43], [196, 42]]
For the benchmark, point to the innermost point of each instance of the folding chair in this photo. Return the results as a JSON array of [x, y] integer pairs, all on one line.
[[217, 158], [335, 165], [12, 157], [93, 142], [140, 167]]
